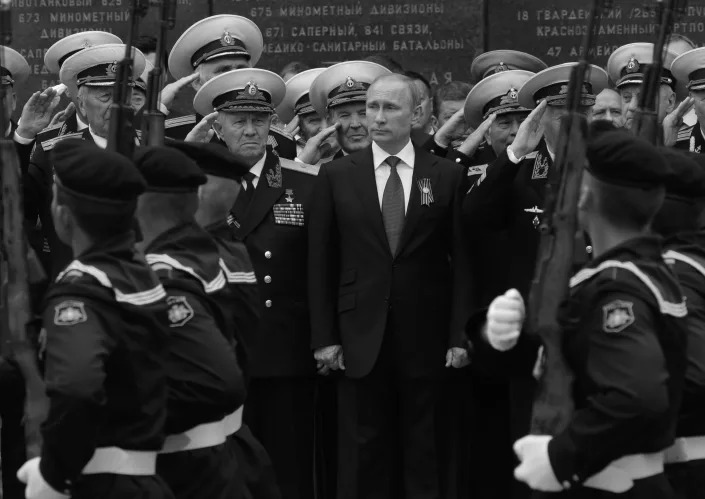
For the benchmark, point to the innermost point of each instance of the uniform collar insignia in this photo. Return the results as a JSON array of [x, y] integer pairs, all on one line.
[[274, 177]]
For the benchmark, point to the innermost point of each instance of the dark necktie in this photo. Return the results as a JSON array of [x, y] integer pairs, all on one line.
[[249, 192], [393, 211]]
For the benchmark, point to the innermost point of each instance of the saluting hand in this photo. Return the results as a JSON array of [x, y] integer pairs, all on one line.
[[477, 137], [535, 466], [203, 132], [62, 116], [313, 151], [37, 112], [292, 128], [674, 121], [530, 132], [170, 91], [444, 135], [505, 319]]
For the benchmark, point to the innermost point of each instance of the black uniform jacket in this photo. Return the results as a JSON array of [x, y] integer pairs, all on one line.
[[624, 338], [279, 141], [274, 228], [691, 139], [107, 334], [243, 300], [510, 197], [205, 382], [685, 254], [359, 292]]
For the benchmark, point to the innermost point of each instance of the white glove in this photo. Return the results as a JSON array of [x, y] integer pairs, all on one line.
[[505, 319], [535, 469], [37, 487]]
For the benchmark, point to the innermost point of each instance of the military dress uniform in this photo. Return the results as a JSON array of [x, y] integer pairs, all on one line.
[[690, 67], [684, 248], [206, 384], [93, 66], [107, 333], [625, 342], [269, 216]]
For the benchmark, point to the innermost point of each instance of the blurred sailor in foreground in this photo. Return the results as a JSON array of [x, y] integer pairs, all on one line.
[[270, 216], [107, 333], [681, 221], [205, 381], [624, 333]]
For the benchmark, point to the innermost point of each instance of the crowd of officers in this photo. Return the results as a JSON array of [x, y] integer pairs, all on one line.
[[316, 288]]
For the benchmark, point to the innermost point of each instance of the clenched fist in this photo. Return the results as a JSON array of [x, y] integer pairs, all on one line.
[[505, 319]]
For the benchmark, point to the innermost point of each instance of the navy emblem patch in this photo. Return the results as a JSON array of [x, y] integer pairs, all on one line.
[[617, 316], [69, 313], [180, 311]]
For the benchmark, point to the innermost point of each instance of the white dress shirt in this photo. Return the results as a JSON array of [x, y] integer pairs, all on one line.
[[405, 168], [99, 141], [256, 170], [80, 124]]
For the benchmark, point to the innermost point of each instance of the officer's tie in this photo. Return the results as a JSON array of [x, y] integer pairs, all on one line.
[[249, 192], [393, 209]]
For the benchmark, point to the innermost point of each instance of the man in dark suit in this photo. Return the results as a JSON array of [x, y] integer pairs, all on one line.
[[270, 216], [384, 249]]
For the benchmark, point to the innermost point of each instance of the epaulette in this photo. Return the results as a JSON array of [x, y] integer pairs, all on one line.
[[189, 119], [281, 131], [296, 166], [49, 132], [667, 307], [684, 133], [48, 145], [531, 155]]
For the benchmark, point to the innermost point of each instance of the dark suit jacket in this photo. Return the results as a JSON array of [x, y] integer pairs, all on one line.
[[359, 292], [278, 251]]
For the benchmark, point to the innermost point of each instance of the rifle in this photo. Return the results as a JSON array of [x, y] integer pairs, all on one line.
[[553, 404], [121, 134], [646, 123], [18, 269], [153, 119]]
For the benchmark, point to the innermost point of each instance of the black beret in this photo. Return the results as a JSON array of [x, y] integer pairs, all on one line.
[[90, 173], [213, 158], [618, 157], [168, 170], [688, 174]]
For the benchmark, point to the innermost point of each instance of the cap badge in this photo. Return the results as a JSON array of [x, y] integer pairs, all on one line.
[[513, 94], [86, 43], [501, 67], [350, 83], [227, 39], [111, 69], [633, 65], [252, 90]]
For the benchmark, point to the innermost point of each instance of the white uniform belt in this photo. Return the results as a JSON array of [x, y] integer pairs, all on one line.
[[116, 461], [233, 422], [198, 437], [619, 476], [686, 449]]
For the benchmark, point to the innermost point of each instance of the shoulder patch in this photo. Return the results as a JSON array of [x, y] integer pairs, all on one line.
[[288, 164], [617, 316], [69, 313], [189, 119], [48, 145], [180, 311]]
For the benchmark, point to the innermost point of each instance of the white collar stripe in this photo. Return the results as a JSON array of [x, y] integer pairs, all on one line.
[[210, 287], [238, 277], [140, 298], [668, 308], [674, 255]]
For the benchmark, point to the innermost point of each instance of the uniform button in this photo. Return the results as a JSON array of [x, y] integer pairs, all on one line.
[[267, 279], [566, 484], [268, 304], [576, 478], [268, 254], [433, 151], [457, 160], [588, 250]]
